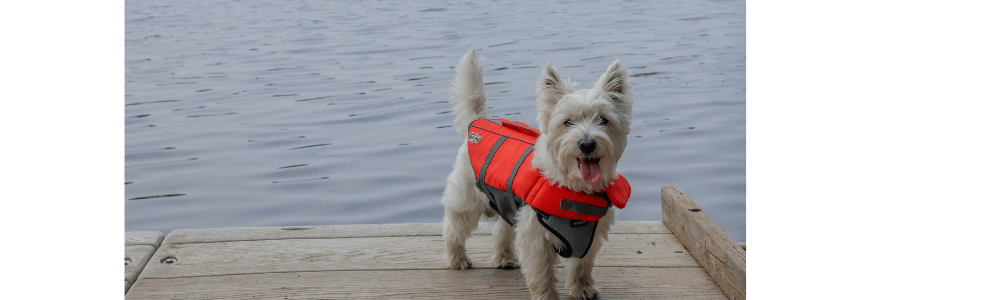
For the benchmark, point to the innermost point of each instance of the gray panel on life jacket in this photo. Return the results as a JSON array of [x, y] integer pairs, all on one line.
[[503, 203], [576, 236]]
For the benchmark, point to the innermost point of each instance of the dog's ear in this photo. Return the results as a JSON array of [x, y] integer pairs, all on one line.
[[550, 89], [616, 82]]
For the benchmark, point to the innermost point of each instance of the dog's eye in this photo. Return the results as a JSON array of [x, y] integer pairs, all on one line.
[[604, 121], [568, 123]]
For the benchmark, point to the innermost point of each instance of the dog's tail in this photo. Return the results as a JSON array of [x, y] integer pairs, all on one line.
[[468, 92]]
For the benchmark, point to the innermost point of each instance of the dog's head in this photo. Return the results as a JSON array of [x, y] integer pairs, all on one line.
[[583, 131]]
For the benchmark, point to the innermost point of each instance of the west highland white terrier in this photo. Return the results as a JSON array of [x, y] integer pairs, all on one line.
[[559, 203]]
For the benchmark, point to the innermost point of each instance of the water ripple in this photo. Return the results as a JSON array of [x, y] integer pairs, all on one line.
[[310, 146], [211, 115], [157, 196], [150, 102]]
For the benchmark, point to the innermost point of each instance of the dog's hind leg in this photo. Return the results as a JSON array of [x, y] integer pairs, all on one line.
[[458, 225], [538, 257], [580, 281], [503, 246], [463, 207]]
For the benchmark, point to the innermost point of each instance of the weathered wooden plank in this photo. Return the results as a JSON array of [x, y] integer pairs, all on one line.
[[152, 238], [184, 236], [380, 253], [136, 257], [640, 227], [715, 250], [139, 247], [614, 282], [213, 235]]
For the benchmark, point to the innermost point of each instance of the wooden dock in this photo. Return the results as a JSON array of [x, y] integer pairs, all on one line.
[[691, 259]]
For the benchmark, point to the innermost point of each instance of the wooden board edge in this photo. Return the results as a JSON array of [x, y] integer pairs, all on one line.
[[711, 246], [152, 238], [236, 234], [140, 262]]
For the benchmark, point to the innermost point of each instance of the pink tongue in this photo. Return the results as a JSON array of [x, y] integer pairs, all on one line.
[[590, 170]]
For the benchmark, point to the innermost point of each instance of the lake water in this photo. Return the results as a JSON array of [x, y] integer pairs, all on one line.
[[303, 112]]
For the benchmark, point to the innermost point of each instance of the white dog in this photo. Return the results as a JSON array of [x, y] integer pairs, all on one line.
[[581, 136]]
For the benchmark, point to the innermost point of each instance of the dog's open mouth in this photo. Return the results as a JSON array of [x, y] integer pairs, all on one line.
[[590, 169]]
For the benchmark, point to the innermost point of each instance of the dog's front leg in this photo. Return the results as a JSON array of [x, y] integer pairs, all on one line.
[[580, 281], [503, 246], [537, 255]]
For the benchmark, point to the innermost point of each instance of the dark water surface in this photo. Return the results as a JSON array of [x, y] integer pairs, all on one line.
[[269, 113]]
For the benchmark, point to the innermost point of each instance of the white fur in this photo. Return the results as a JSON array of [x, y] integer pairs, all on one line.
[[556, 155]]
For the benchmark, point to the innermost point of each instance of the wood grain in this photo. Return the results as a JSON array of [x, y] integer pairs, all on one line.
[[381, 253], [152, 238], [642, 260], [647, 227], [715, 250], [614, 282], [138, 255], [139, 247], [213, 235]]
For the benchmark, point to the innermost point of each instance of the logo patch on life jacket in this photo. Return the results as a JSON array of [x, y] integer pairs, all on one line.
[[475, 138], [577, 223]]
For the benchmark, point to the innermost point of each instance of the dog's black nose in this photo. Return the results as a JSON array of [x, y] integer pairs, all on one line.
[[587, 146]]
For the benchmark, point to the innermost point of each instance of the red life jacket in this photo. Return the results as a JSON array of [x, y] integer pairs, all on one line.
[[498, 150]]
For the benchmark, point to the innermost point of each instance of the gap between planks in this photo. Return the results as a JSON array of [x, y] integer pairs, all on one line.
[[216, 235], [139, 248]]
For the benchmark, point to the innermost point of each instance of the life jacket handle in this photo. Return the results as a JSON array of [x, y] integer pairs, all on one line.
[[520, 126]]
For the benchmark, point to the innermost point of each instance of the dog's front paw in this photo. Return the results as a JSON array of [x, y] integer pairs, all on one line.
[[460, 263], [506, 264], [583, 289]]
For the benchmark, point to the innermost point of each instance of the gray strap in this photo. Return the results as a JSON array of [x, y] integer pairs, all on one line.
[[510, 180], [583, 208], [489, 157]]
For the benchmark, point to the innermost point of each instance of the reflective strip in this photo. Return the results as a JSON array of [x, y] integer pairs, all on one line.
[[489, 157], [583, 208], [510, 180]]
